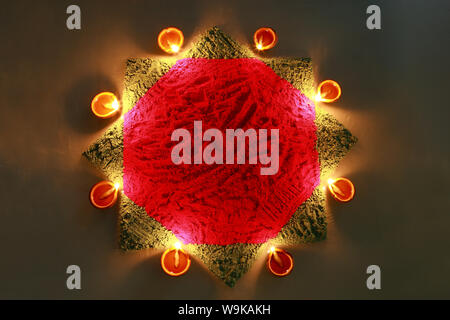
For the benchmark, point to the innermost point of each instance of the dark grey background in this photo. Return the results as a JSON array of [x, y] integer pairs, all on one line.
[[395, 99]]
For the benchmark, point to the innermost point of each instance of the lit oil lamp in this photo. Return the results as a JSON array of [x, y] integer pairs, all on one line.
[[280, 263], [170, 40], [328, 91], [105, 105], [341, 189], [104, 194], [175, 261], [265, 39]]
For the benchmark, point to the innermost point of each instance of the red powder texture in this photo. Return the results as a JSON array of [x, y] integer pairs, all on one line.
[[220, 204]]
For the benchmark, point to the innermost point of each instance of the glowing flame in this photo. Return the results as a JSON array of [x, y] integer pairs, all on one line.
[[318, 97], [117, 186], [272, 249], [174, 48], [115, 104], [177, 245], [259, 46]]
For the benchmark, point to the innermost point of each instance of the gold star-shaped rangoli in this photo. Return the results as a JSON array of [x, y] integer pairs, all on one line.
[[229, 262]]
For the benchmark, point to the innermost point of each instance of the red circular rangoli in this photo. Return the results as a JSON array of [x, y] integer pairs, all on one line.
[[220, 203]]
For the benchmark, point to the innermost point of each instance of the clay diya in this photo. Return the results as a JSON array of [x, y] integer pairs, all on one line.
[[328, 91], [175, 261], [341, 189], [170, 40], [265, 39], [104, 194], [280, 262], [105, 105]]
